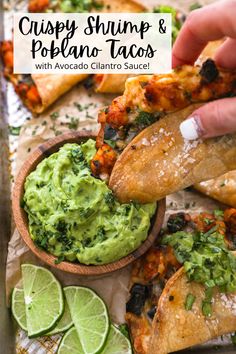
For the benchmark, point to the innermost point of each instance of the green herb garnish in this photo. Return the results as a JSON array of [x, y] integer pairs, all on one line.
[[59, 259], [80, 5], [111, 143], [14, 130], [145, 119], [206, 303], [218, 214], [54, 115], [190, 299], [206, 260]]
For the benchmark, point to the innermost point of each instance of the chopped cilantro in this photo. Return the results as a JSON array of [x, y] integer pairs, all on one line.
[[109, 198], [73, 123], [14, 130], [208, 221], [207, 302], [218, 214], [110, 143], [190, 299], [60, 259], [145, 119], [206, 260], [54, 115], [80, 5]]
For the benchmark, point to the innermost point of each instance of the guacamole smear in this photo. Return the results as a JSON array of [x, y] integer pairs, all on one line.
[[75, 216], [206, 260]]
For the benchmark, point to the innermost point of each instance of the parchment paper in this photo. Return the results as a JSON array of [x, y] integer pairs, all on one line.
[[114, 287]]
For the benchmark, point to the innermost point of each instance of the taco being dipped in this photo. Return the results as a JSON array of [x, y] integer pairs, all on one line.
[[144, 122]]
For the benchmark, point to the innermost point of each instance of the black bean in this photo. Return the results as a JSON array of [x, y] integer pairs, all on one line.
[[176, 222]]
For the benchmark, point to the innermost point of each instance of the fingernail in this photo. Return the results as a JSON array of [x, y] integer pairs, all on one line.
[[190, 128]]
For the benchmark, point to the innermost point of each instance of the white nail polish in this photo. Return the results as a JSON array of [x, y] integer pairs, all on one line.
[[190, 129]]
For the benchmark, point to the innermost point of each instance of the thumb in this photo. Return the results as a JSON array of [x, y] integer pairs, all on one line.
[[213, 119]]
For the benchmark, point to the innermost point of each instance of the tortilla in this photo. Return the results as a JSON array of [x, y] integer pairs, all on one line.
[[52, 86], [122, 6], [158, 161], [115, 83], [174, 328], [110, 83], [222, 188]]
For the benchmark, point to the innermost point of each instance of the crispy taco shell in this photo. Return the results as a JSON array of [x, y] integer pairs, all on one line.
[[122, 6], [159, 161], [51, 86], [222, 188], [115, 83], [110, 83], [175, 328]]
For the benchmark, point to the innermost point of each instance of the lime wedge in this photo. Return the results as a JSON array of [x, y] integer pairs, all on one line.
[[70, 343], [116, 343], [44, 301], [90, 317], [18, 307]]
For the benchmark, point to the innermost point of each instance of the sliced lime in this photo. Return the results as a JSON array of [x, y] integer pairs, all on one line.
[[70, 343], [90, 317], [18, 307], [18, 311], [116, 343], [64, 324], [44, 301]]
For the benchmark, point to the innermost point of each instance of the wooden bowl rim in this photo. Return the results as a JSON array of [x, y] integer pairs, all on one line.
[[21, 220]]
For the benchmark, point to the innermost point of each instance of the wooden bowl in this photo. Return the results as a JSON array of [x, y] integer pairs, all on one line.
[[21, 219]]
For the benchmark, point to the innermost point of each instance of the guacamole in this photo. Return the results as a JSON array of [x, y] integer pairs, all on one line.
[[75, 216], [206, 260]]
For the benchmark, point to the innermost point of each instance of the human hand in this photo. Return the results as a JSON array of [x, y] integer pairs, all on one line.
[[209, 23]]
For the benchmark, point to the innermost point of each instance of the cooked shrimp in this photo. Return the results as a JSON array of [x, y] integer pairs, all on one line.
[[103, 161], [169, 92]]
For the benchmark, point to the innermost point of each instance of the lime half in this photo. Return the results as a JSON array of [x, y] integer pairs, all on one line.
[[116, 343], [90, 317], [44, 303], [18, 307], [70, 343]]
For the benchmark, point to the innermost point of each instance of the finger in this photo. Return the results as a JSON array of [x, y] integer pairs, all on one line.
[[213, 119], [209, 23], [225, 55]]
